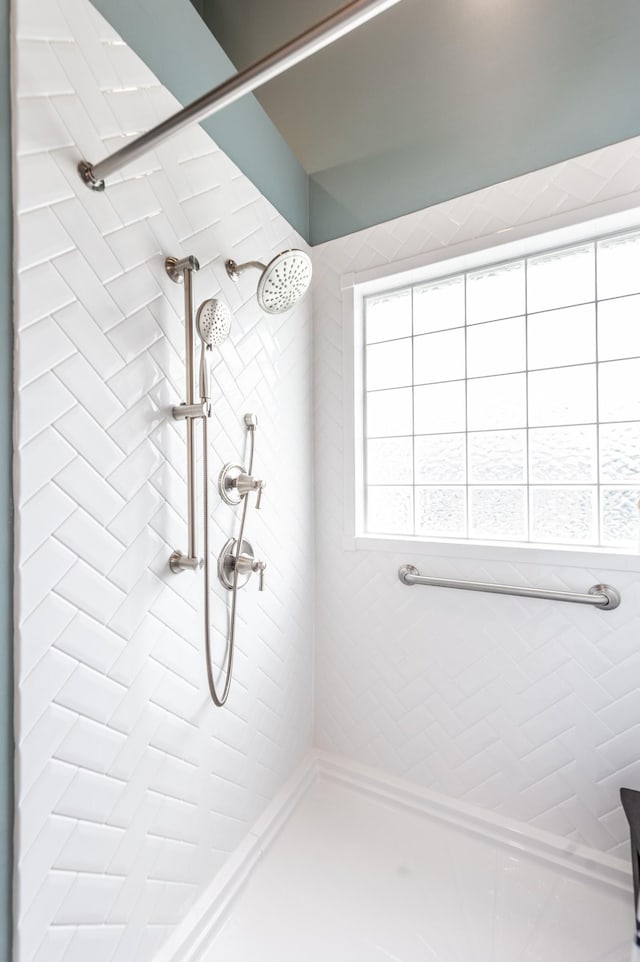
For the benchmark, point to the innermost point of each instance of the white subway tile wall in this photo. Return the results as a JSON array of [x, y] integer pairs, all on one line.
[[132, 788], [526, 708]]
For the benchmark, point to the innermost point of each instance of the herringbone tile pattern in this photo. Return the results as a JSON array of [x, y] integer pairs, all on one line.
[[132, 788], [526, 708]]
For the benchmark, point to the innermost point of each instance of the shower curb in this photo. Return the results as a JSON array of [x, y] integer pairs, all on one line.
[[191, 940], [574, 857]]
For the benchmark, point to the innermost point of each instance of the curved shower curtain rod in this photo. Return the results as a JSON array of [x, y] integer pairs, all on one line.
[[341, 22]]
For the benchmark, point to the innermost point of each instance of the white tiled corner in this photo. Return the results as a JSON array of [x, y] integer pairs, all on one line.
[[124, 815]]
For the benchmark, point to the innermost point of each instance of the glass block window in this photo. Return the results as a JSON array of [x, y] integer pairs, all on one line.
[[503, 404]]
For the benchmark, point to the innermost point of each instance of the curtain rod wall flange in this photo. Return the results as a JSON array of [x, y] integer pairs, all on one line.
[[337, 25]]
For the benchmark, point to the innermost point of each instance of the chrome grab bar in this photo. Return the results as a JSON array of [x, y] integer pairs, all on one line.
[[600, 596]]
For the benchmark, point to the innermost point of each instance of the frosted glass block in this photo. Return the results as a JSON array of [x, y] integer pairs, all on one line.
[[498, 457], [619, 265], [439, 408], [619, 328], [620, 452], [389, 510], [619, 390], [389, 413], [564, 515], [389, 364], [567, 336], [495, 292], [438, 306], [388, 317], [498, 514], [390, 461], [497, 402], [498, 347], [561, 278], [563, 455], [620, 527], [438, 357], [565, 395], [441, 459], [441, 512]]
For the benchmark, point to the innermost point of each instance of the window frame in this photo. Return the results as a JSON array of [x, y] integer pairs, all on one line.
[[585, 224]]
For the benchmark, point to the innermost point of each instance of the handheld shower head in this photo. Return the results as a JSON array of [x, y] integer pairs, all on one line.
[[213, 323], [284, 280]]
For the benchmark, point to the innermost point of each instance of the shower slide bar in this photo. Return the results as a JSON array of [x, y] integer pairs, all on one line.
[[599, 596], [343, 21]]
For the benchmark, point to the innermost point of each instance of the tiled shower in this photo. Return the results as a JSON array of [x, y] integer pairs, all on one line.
[[134, 795]]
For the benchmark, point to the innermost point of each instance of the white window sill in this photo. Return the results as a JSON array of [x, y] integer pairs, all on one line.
[[518, 553]]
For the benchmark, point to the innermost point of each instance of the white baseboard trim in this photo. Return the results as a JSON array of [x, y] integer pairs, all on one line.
[[192, 938]]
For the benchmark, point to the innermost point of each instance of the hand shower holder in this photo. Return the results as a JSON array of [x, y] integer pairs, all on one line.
[[179, 562], [184, 412]]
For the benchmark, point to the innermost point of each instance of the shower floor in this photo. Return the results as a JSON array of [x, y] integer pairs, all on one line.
[[350, 879]]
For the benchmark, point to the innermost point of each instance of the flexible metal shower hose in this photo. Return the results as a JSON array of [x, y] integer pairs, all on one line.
[[217, 699]]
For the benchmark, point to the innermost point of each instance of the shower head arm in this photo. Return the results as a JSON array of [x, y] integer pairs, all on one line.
[[235, 270]]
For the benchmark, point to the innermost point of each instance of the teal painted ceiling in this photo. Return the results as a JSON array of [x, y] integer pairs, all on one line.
[[428, 101], [435, 98]]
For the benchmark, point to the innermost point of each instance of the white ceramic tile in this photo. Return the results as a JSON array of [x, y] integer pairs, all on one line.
[[52, 613], [40, 72], [129, 744], [43, 514], [89, 390], [88, 288], [42, 292], [42, 237], [82, 586], [77, 69], [89, 797], [87, 238], [40, 124], [403, 675], [83, 432], [82, 483], [79, 326], [135, 244], [89, 745]]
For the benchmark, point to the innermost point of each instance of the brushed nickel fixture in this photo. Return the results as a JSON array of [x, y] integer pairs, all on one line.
[[181, 271], [599, 596], [236, 564], [331, 28], [283, 281], [234, 483], [243, 562], [237, 561], [213, 323]]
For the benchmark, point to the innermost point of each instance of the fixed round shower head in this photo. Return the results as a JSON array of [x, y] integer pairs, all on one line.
[[284, 280], [213, 322]]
